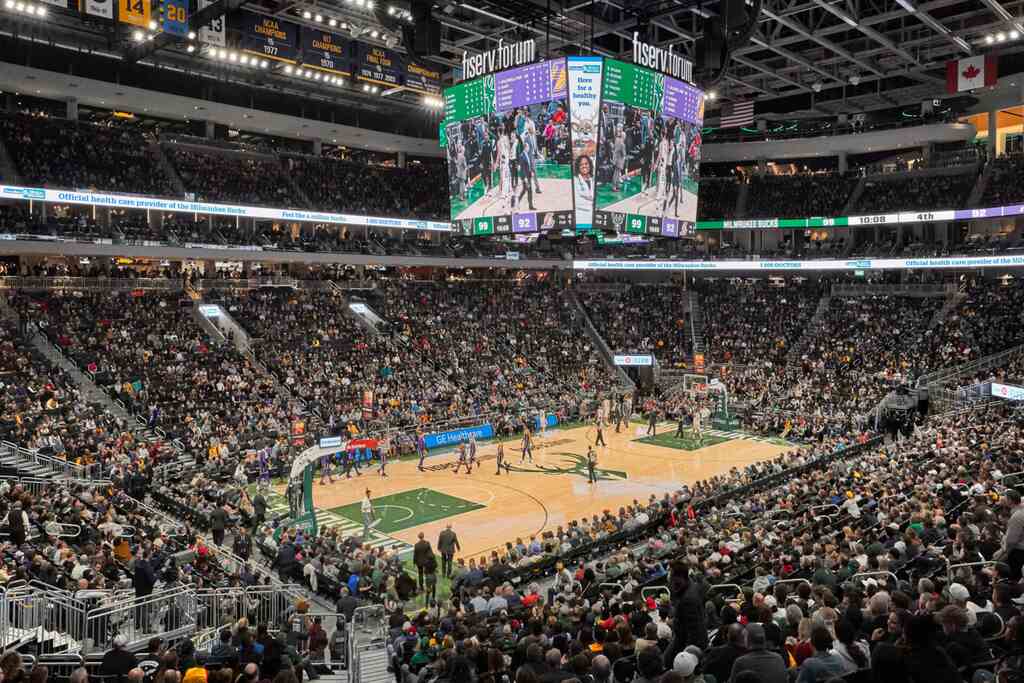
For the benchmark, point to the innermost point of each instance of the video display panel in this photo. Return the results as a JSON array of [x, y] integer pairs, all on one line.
[[648, 152], [508, 151]]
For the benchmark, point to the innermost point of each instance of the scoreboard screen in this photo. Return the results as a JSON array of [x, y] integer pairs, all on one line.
[[582, 144], [507, 138], [648, 153]]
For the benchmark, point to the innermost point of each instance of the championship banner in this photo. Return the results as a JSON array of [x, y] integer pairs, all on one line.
[[98, 8], [378, 65], [63, 4], [134, 12], [269, 37], [174, 17], [422, 78], [325, 51], [213, 33]]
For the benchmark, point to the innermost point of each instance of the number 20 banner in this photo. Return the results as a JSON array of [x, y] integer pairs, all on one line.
[[174, 17]]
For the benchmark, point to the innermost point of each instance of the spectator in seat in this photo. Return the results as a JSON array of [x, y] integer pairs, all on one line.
[[965, 645], [223, 651], [720, 660], [825, 663], [118, 661], [768, 666]]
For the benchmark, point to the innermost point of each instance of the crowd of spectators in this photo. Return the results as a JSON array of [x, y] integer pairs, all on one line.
[[645, 319], [150, 354], [863, 348], [717, 198], [442, 351], [788, 196], [753, 322], [234, 179], [416, 191], [54, 153], [1005, 180], [916, 193]]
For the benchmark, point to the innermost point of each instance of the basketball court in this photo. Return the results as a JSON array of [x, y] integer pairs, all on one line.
[[487, 510]]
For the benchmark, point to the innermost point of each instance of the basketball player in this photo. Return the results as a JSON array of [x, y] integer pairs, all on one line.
[[527, 445], [367, 508], [472, 454], [264, 460], [325, 468], [681, 426], [620, 410], [542, 419], [385, 453], [421, 447], [600, 431], [505, 168], [591, 465], [500, 457], [462, 460], [352, 463], [652, 422], [698, 431], [664, 156]]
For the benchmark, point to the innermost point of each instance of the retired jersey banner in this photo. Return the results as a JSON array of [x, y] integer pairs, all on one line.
[[98, 8], [378, 64], [269, 37], [326, 51], [174, 17], [134, 12], [212, 33]]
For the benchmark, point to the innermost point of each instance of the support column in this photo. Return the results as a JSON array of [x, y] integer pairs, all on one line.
[[844, 164], [210, 129], [993, 131], [72, 109], [10, 102], [762, 166], [318, 147], [401, 160]]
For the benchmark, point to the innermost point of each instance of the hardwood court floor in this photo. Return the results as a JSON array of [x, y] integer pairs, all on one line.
[[487, 510]]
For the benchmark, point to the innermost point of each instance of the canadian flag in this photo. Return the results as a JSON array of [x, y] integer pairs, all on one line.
[[971, 72]]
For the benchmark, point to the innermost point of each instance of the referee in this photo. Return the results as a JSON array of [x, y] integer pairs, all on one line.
[[591, 465], [367, 508]]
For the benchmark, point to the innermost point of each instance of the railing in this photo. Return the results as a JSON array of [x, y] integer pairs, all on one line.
[[599, 342], [867, 289], [346, 285], [220, 607], [54, 467], [104, 283], [24, 608], [171, 613], [249, 282], [956, 372]]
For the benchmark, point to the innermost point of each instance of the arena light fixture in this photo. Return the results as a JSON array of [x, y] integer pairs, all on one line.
[[20, 7], [319, 18], [1014, 34], [989, 39], [307, 14], [191, 35], [190, 49], [9, 4], [152, 25], [1001, 37], [333, 22], [244, 59], [288, 69], [264, 64], [710, 94]]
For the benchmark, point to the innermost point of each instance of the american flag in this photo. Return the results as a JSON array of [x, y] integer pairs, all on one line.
[[736, 114]]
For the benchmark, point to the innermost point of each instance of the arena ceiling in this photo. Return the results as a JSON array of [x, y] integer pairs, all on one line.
[[804, 58]]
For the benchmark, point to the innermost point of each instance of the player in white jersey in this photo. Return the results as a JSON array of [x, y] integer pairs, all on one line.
[[664, 155], [504, 168]]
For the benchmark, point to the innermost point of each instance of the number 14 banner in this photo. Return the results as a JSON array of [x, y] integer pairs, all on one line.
[[134, 12]]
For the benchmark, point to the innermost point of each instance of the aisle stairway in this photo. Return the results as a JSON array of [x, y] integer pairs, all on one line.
[[793, 357], [595, 337], [696, 323]]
